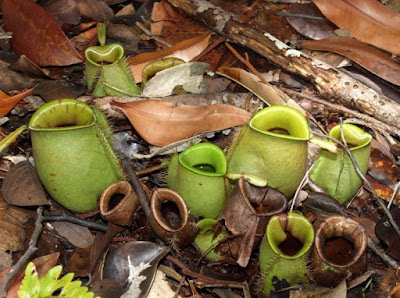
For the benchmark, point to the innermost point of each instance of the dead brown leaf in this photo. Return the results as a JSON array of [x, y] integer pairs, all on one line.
[[13, 215], [77, 235], [22, 186], [363, 54], [7, 103], [367, 20], [37, 34], [11, 236], [79, 262], [310, 26], [185, 50], [161, 123]]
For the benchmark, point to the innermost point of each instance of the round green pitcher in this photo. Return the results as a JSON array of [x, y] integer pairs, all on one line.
[[71, 145], [334, 172], [285, 248], [197, 174], [273, 147]]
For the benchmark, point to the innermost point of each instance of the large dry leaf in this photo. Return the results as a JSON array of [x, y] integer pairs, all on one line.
[[185, 50], [161, 123], [363, 54], [367, 20], [37, 34], [7, 103], [22, 186]]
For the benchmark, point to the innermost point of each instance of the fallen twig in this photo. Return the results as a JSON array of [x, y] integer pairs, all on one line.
[[151, 35], [66, 217], [382, 254], [199, 276], [29, 252]]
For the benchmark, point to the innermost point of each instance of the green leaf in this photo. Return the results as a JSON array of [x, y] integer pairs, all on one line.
[[30, 286], [50, 282], [66, 279], [70, 287]]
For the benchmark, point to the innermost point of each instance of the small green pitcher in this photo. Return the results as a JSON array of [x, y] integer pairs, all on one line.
[[334, 172], [108, 73], [273, 147], [197, 174], [72, 148], [285, 248]]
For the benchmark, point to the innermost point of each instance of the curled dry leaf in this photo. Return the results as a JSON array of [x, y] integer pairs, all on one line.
[[185, 50], [22, 186], [161, 123], [267, 93], [363, 54], [37, 34], [7, 103], [367, 20]]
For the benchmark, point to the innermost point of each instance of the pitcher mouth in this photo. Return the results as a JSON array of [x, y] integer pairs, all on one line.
[[297, 226], [107, 55], [204, 159], [353, 135], [62, 114], [286, 119]]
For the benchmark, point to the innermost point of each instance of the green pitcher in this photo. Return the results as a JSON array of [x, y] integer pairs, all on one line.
[[197, 174], [71, 145], [273, 147], [108, 73], [334, 172], [285, 248], [206, 239]]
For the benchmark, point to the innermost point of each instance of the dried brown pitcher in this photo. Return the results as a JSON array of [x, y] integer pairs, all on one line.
[[119, 212], [170, 219], [339, 251]]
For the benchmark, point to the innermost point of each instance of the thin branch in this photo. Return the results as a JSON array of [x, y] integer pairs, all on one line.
[[373, 121], [395, 191], [303, 182], [151, 35], [29, 252], [382, 254], [69, 218], [149, 170], [199, 276]]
